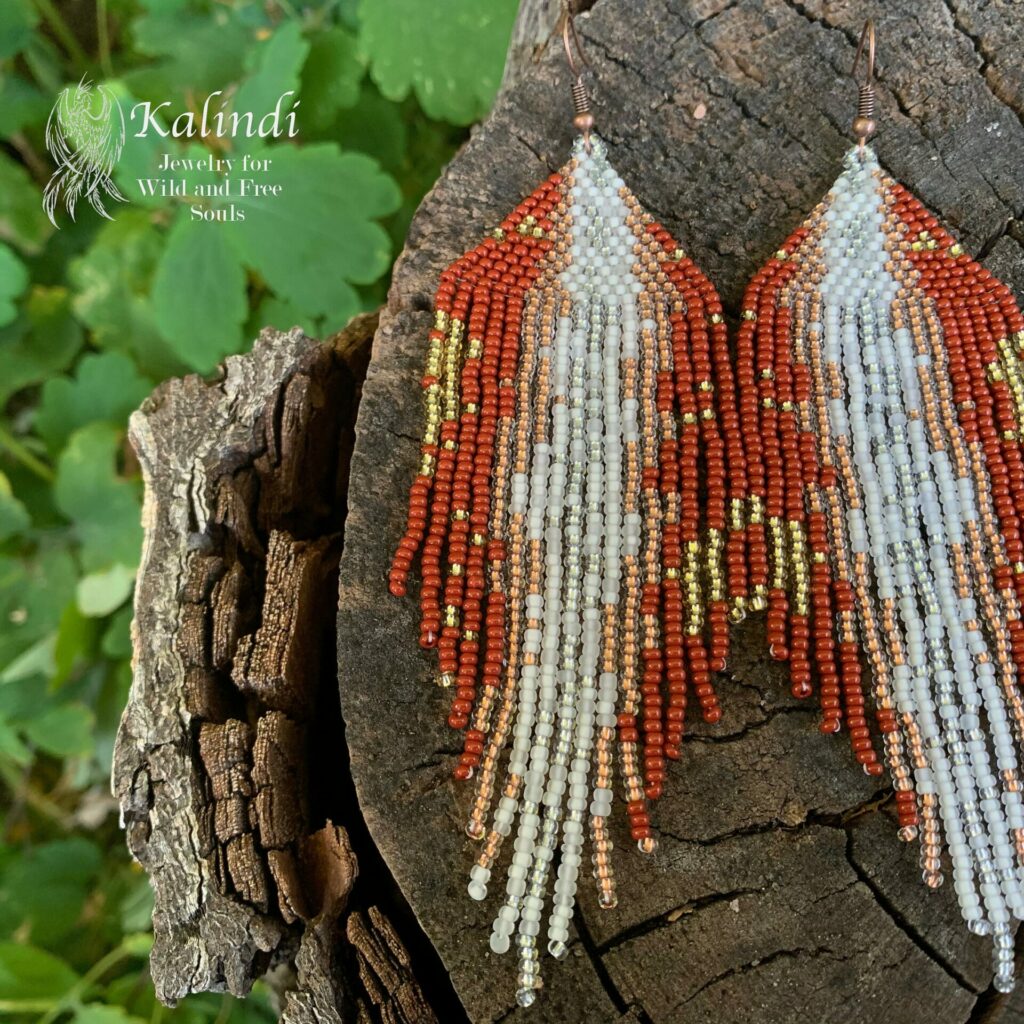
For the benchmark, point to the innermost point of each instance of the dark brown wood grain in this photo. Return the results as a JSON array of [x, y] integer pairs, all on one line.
[[779, 892]]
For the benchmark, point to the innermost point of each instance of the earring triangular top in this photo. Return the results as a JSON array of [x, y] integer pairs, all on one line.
[[882, 366], [581, 540]]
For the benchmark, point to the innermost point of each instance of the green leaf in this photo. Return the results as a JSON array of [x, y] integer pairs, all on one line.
[[17, 20], [318, 236], [283, 316], [76, 641], [374, 126], [103, 506], [34, 591], [99, 1013], [28, 974], [37, 660], [22, 221], [111, 282], [451, 57], [117, 640], [140, 944], [13, 279], [330, 77], [199, 293], [202, 47], [21, 104], [14, 516], [63, 730], [276, 64], [106, 387], [103, 592], [11, 745], [42, 341], [137, 914], [48, 885]]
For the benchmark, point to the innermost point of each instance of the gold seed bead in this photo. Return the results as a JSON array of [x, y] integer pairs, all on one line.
[[445, 680], [749, 314], [479, 540], [455, 569], [716, 318]]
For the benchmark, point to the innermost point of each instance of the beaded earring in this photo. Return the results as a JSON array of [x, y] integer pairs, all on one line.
[[572, 509], [883, 366]]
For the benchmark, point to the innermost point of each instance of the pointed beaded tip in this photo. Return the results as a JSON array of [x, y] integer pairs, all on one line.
[[887, 396], [581, 416]]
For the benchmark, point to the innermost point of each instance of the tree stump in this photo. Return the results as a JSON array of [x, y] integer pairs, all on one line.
[[779, 892]]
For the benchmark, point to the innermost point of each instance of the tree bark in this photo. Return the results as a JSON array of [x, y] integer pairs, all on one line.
[[227, 763], [779, 892]]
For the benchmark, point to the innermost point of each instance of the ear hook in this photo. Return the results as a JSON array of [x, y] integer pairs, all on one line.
[[583, 119], [864, 123]]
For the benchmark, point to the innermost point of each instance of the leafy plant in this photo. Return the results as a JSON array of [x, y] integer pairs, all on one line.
[[95, 314]]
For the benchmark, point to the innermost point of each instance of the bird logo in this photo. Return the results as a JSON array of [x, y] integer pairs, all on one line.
[[85, 145]]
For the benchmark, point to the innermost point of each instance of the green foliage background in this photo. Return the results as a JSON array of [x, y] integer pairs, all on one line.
[[93, 315]]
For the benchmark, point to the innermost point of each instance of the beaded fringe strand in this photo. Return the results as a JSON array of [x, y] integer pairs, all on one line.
[[579, 509], [883, 367]]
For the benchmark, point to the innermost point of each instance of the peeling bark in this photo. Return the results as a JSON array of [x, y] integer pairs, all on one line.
[[226, 763]]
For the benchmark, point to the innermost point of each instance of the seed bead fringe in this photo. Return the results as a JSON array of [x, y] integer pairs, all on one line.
[[579, 513], [883, 367]]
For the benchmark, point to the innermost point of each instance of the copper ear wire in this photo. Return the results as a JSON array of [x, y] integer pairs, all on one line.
[[583, 118], [864, 123]]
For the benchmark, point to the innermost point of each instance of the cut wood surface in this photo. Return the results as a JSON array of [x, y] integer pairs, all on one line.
[[779, 892]]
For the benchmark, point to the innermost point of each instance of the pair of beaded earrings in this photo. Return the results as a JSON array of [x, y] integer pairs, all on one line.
[[604, 487]]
